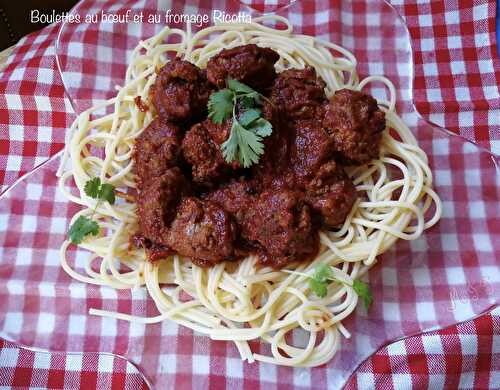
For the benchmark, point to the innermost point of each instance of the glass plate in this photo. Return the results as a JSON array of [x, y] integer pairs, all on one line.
[[447, 276]]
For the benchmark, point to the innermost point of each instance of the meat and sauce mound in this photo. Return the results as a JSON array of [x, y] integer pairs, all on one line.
[[193, 202]]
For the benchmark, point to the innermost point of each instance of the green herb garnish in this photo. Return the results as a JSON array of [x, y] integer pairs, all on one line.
[[220, 105], [249, 127], [323, 276], [363, 291], [83, 226], [101, 191]]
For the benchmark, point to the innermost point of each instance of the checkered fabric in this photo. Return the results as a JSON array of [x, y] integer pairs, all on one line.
[[465, 356], [457, 66], [447, 276], [32, 369], [34, 113]]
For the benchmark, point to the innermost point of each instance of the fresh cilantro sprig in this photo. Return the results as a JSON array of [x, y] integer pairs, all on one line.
[[220, 105], [244, 144], [100, 191], [83, 226], [363, 291], [323, 276]]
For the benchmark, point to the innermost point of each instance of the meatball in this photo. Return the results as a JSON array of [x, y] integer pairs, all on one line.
[[279, 224], [299, 93], [355, 124], [331, 195], [157, 202], [275, 160], [156, 149], [310, 149], [250, 64], [180, 92], [201, 149], [235, 197], [204, 231]]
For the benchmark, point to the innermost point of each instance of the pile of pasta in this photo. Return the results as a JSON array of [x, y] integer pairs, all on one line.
[[242, 301]]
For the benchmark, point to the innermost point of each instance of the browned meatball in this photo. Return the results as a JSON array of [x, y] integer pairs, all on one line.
[[310, 149], [201, 149], [275, 160], [235, 197], [279, 223], [157, 202], [355, 124], [156, 149], [331, 195], [180, 92], [299, 93], [250, 64], [204, 231]]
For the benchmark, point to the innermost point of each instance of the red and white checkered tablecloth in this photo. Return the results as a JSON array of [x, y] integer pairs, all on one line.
[[33, 369], [450, 275]]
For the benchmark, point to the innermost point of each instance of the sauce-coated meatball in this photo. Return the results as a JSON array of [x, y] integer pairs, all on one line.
[[275, 159], [201, 149], [250, 64], [311, 147], [235, 197], [156, 149], [299, 93], [279, 222], [331, 195], [202, 230], [156, 205], [180, 92], [355, 124]]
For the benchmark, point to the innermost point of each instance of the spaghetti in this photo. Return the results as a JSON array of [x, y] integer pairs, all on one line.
[[239, 301]]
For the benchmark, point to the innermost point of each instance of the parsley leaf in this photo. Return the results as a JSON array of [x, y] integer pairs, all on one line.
[[261, 127], [323, 273], [363, 291], [230, 146], [92, 187], [322, 277], [244, 143], [220, 105], [107, 193], [248, 116], [239, 87], [81, 228], [250, 147], [247, 102], [318, 287], [96, 190]]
